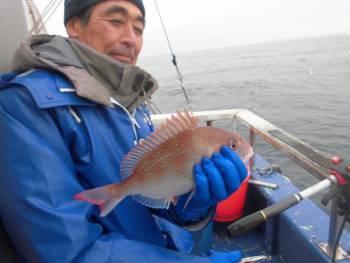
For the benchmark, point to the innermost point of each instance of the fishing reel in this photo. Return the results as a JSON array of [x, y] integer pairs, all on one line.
[[340, 215], [340, 209], [342, 194], [340, 191]]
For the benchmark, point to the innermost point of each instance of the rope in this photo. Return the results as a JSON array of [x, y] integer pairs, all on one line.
[[153, 107], [179, 75], [44, 20], [38, 20], [47, 8]]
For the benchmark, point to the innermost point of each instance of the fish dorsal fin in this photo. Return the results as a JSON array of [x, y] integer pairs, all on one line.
[[176, 124], [179, 122]]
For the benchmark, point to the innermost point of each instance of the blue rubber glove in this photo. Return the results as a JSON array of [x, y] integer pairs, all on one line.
[[225, 257], [216, 179]]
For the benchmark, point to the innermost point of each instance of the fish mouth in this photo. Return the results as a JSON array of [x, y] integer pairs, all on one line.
[[245, 158]]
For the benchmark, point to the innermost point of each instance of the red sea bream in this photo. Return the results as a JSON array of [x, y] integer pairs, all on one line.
[[159, 169]]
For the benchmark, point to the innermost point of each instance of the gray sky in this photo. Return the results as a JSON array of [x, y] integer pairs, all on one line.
[[205, 24]]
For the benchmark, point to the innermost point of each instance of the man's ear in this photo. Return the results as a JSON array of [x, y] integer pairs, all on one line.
[[73, 27]]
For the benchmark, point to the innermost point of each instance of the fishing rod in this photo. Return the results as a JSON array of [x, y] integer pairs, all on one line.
[[255, 219], [174, 61], [335, 176]]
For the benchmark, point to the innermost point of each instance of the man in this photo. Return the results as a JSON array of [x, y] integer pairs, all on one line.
[[68, 114]]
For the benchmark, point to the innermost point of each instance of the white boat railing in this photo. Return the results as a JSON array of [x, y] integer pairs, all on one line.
[[301, 153]]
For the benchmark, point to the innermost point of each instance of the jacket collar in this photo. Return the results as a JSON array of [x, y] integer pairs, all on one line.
[[95, 76]]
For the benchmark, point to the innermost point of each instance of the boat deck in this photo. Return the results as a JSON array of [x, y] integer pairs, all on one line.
[[251, 244], [293, 236]]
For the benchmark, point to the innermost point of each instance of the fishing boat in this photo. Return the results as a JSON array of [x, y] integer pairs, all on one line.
[[280, 223], [299, 231]]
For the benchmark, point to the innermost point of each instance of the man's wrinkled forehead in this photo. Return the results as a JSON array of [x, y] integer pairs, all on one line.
[[118, 9]]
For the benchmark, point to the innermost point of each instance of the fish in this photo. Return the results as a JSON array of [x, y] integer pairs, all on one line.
[[159, 169]]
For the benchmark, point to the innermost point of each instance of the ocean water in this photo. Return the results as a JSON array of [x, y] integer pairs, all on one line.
[[301, 86]]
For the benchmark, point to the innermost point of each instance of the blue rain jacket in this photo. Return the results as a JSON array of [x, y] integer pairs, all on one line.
[[53, 145]]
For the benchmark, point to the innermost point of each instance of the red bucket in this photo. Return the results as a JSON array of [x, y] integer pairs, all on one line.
[[231, 209]]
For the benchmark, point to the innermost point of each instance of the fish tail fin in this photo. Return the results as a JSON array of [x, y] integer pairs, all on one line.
[[108, 206], [103, 197]]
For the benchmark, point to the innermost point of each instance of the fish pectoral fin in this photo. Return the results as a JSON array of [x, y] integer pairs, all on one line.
[[102, 197]]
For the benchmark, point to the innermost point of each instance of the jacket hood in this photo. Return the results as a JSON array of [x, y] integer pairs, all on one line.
[[95, 76]]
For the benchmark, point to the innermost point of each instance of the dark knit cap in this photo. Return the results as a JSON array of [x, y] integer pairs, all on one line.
[[74, 8]]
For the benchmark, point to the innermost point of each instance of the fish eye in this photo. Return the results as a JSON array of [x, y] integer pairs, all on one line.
[[233, 144]]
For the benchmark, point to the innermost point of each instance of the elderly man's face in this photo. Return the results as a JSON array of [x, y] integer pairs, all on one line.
[[115, 29]]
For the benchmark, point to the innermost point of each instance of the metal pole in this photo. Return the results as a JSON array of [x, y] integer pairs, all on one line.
[[252, 144], [261, 216]]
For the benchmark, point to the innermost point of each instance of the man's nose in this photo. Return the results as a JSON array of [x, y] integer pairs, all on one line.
[[129, 36]]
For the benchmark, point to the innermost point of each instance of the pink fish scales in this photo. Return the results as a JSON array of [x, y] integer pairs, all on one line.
[[159, 169]]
